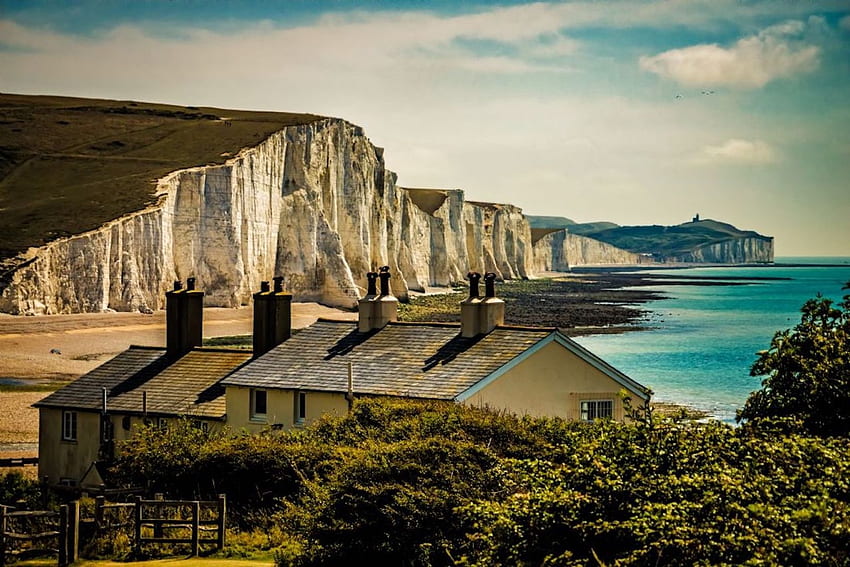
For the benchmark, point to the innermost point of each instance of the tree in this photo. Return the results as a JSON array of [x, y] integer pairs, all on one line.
[[808, 371]]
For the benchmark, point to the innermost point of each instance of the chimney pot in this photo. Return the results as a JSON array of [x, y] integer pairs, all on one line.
[[474, 278], [384, 274], [178, 285], [371, 283], [278, 284], [264, 287], [190, 284], [490, 284]]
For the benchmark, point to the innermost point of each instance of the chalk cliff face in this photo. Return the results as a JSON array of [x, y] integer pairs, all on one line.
[[559, 250], [313, 203], [734, 251]]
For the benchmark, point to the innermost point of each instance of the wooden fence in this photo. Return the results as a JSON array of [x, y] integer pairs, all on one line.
[[8, 462], [171, 524], [29, 533], [158, 521]]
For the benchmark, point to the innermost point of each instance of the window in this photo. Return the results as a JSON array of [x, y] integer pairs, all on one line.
[[300, 407], [259, 404], [69, 426], [597, 409], [162, 423]]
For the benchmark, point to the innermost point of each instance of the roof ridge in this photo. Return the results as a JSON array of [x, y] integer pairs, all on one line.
[[145, 347], [445, 324], [526, 328], [221, 349], [329, 320]]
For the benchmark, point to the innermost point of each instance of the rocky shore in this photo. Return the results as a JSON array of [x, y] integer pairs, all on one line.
[[586, 302]]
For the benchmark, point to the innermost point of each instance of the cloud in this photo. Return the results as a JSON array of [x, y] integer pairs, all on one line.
[[845, 23], [737, 151], [752, 62]]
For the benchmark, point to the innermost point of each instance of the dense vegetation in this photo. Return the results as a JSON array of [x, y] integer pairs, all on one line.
[[413, 483], [807, 371], [68, 165]]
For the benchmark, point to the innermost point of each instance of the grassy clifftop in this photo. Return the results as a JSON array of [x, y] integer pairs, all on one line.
[[68, 165]]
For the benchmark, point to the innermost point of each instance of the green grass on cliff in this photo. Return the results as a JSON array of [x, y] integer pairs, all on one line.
[[68, 165]]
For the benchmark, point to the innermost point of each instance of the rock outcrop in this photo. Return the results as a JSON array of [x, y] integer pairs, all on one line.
[[313, 203], [559, 250]]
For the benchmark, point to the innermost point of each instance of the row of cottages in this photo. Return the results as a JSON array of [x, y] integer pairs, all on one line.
[[289, 380]]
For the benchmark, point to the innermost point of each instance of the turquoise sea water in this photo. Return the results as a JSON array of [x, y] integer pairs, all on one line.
[[704, 338]]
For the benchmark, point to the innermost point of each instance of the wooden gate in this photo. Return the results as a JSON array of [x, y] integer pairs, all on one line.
[[180, 521], [40, 532]]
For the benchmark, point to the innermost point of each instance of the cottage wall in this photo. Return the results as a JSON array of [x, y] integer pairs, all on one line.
[[281, 408], [551, 382], [59, 459]]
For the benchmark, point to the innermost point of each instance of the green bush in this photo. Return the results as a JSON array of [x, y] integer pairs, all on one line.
[[399, 482]]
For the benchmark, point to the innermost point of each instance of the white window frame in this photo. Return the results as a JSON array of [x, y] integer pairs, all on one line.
[[590, 410], [162, 423], [69, 425], [300, 413], [259, 415]]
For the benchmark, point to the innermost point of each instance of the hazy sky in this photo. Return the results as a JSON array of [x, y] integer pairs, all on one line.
[[632, 112]]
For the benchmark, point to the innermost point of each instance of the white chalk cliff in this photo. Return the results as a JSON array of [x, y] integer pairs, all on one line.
[[559, 250], [312, 203]]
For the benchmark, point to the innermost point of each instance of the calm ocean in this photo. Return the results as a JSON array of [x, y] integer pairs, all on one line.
[[704, 338]]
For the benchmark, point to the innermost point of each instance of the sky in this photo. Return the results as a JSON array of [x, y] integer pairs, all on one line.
[[631, 112]]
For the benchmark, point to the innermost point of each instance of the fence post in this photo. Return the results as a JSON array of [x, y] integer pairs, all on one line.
[[222, 513], [2, 535], [158, 528], [196, 528], [137, 528], [73, 531], [63, 536], [45, 492], [99, 502]]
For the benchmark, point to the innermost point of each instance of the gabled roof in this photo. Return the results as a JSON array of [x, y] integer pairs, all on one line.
[[418, 360], [187, 386]]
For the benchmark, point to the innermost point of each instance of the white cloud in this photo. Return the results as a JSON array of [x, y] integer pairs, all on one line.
[[776, 52], [845, 23], [738, 151]]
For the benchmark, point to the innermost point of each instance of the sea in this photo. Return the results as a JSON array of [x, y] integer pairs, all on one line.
[[702, 340]]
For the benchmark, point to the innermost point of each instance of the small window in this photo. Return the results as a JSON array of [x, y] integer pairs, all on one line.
[[162, 423], [259, 404], [300, 407], [202, 425], [67, 481], [597, 409], [69, 426]]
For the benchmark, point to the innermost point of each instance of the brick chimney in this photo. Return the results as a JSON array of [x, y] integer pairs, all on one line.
[[272, 316], [375, 311], [469, 313], [184, 318], [491, 310]]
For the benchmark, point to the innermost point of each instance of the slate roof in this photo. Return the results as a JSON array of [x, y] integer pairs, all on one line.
[[188, 386], [418, 360]]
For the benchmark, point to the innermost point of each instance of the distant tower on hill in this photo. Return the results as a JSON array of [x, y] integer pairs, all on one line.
[[696, 218]]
